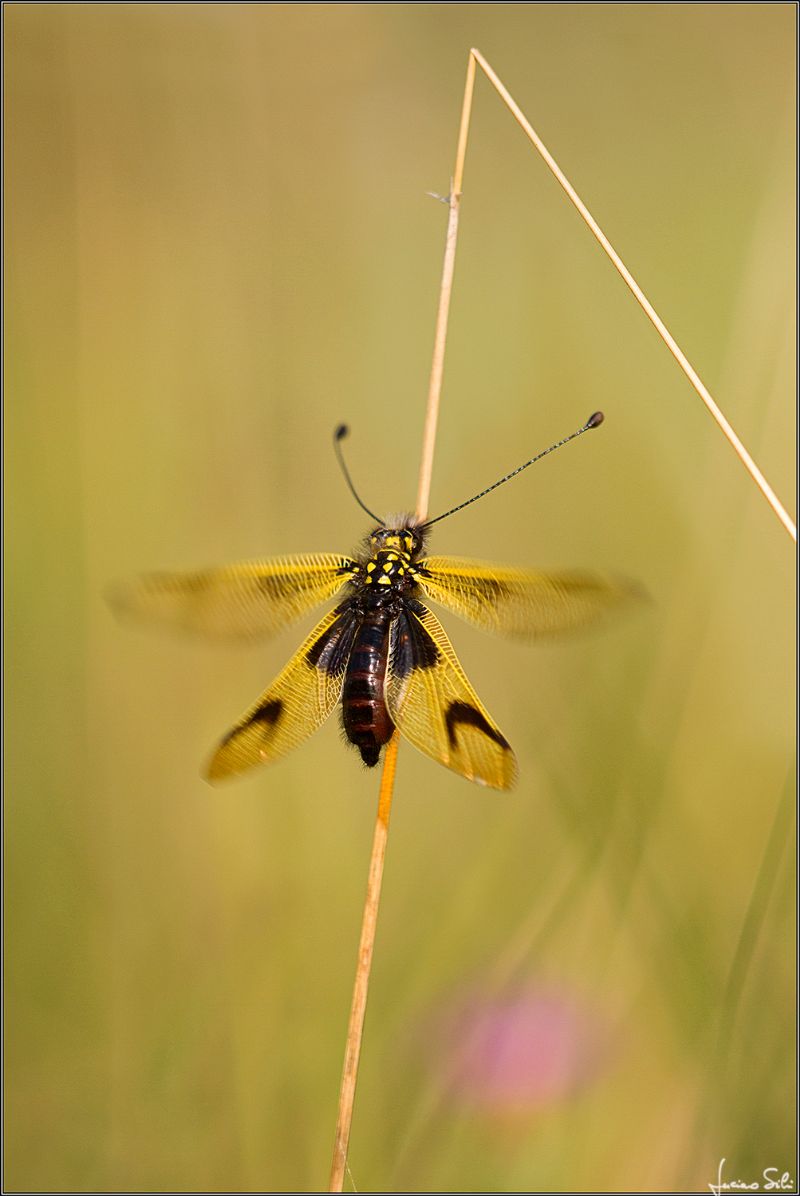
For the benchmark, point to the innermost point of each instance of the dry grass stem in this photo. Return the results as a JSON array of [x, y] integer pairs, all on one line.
[[369, 921], [363, 968], [370, 916], [641, 298], [443, 314]]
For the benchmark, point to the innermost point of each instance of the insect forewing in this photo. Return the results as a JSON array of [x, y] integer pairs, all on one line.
[[238, 601], [523, 603]]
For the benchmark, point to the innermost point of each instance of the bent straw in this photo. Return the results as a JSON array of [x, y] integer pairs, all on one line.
[[369, 920]]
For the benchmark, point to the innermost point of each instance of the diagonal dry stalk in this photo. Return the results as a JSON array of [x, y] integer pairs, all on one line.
[[371, 904], [639, 296]]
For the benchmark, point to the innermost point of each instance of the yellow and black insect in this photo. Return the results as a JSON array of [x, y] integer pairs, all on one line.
[[380, 651]]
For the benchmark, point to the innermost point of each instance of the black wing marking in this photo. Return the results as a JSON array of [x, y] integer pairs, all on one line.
[[295, 705], [435, 707]]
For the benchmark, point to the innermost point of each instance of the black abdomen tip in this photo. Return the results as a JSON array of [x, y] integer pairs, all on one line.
[[594, 421], [370, 753], [341, 431]]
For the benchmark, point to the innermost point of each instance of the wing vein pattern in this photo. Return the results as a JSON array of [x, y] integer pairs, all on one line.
[[240, 601], [297, 702], [435, 707], [522, 603]]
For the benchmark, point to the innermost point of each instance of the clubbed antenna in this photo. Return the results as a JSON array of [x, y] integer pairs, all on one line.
[[339, 434], [594, 421]]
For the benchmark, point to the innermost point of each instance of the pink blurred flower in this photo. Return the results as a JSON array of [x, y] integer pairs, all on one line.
[[522, 1050]]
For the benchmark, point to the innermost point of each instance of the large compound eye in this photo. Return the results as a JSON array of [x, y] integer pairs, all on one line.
[[413, 543]]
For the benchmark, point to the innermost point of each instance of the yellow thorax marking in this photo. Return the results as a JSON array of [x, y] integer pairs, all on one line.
[[386, 565], [402, 541]]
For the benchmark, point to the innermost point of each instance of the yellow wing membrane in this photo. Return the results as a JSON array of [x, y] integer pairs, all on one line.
[[435, 707], [295, 705], [238, 601], [521, 602]]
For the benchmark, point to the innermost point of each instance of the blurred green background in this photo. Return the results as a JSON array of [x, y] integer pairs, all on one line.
[[218, 246]]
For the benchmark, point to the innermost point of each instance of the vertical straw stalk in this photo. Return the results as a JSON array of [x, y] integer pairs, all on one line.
[[369, 921], [358, 1006]]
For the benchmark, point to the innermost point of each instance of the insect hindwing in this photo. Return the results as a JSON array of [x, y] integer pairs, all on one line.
[[436, 708], [295, 705]]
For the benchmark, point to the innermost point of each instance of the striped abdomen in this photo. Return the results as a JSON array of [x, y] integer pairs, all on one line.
[[366, 720]]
